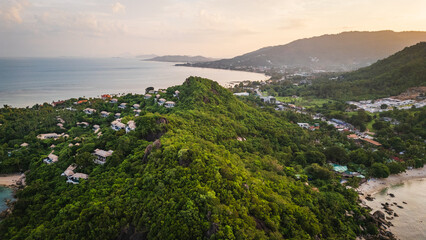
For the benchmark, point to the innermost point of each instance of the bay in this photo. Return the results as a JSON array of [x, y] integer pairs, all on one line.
[[411, 223], [27, 81]]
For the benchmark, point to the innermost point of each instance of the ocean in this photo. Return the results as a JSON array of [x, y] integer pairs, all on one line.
[[27, 81], [411, 223], [5, 193]]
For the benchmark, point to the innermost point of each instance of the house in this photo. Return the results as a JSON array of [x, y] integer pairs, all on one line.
[[161, 101], [48, 136], [83, 124], [137, 112], [152, 92], [122, 105], [176, 94], [136, 106], [269, 99], [96, 128], [101, 155], [131, 126], [377, 144], [114, 100], [303, 125], [54, 104], [70, 170], [148, 96], [81, 101], [117, 115], [352, 136], [24, 144], [105, 96], [118, 125], [241, 94], [75, 178], [169, 104], [89, 110], [51, 158], [60, 125], [105, 114]]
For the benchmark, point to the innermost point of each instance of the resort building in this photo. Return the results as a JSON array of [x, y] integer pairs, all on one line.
[[101, 155], [131, 126], [169, 104], [89, 110], [105, 114], [122, 105], [117, 125], [51, 158]]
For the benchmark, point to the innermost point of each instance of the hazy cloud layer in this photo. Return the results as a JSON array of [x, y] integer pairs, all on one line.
[[216, 28]]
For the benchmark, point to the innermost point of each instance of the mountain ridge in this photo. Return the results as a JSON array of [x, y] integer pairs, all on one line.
[[331, 52]]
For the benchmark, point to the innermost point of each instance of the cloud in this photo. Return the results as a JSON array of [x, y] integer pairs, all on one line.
[[10, 11], [118, 8]]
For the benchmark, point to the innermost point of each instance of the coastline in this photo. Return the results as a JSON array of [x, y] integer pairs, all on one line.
[[375, 185], [10, 180]]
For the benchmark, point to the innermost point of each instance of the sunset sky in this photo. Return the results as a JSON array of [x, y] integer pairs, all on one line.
[[213, 28]]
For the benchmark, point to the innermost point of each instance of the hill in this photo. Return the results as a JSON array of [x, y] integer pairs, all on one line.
[[387, 77], [180, 58], [336, 52], [212, 167]]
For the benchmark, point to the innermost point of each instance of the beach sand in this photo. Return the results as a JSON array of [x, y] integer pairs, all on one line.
[[9, 179], [374, 185]]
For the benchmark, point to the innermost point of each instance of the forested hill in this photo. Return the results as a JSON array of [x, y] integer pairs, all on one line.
[[213, 167], [387, 77], [336, 52]]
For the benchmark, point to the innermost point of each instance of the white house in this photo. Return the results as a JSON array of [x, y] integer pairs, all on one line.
[[303, 125], [117, 115], [136, 106], [137, 112], [148, 96], [49, 136], [269, 99], [83, 124], [169, 104], [114, 100], [105, 114], [161, 101], [245, 94], [176, 94], [131, 126], [118, 125], [101, 155], [89, 110], [122, 105]]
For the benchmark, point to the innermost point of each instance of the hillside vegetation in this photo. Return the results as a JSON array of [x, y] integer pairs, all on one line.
[[387, 77]]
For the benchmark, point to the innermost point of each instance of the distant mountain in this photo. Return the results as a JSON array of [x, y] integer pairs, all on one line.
[[387, 77], [338, 52], [181, 58]]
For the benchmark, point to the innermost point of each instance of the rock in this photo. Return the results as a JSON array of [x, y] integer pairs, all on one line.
[[404, 202], [400, 206], [391, 194], [395, 215], [379, 214]]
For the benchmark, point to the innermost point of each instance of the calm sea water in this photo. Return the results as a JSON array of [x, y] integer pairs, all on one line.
[[25, 82], [411, 223], [5, 193]]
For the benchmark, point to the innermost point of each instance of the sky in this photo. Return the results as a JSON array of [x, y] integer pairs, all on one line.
[[212, 28]]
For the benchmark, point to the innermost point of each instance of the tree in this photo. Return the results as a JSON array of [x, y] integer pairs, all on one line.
[[379, 170], [336, 154], [318, 172], [383, 106], [85, 159]]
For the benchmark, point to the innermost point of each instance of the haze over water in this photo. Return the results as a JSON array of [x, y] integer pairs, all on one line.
[[27, 81]]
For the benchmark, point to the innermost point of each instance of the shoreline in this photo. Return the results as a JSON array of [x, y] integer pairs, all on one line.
[[375, 185], [10, 180]]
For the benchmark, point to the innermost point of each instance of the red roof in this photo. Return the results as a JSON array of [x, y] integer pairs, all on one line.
[[371, 141], [397, 159], [81, 101]]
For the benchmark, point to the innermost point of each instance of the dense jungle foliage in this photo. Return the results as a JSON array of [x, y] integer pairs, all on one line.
[[213, 167]]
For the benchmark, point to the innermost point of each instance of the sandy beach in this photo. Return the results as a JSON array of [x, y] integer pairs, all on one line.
[[9, 179], [374, 185]]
